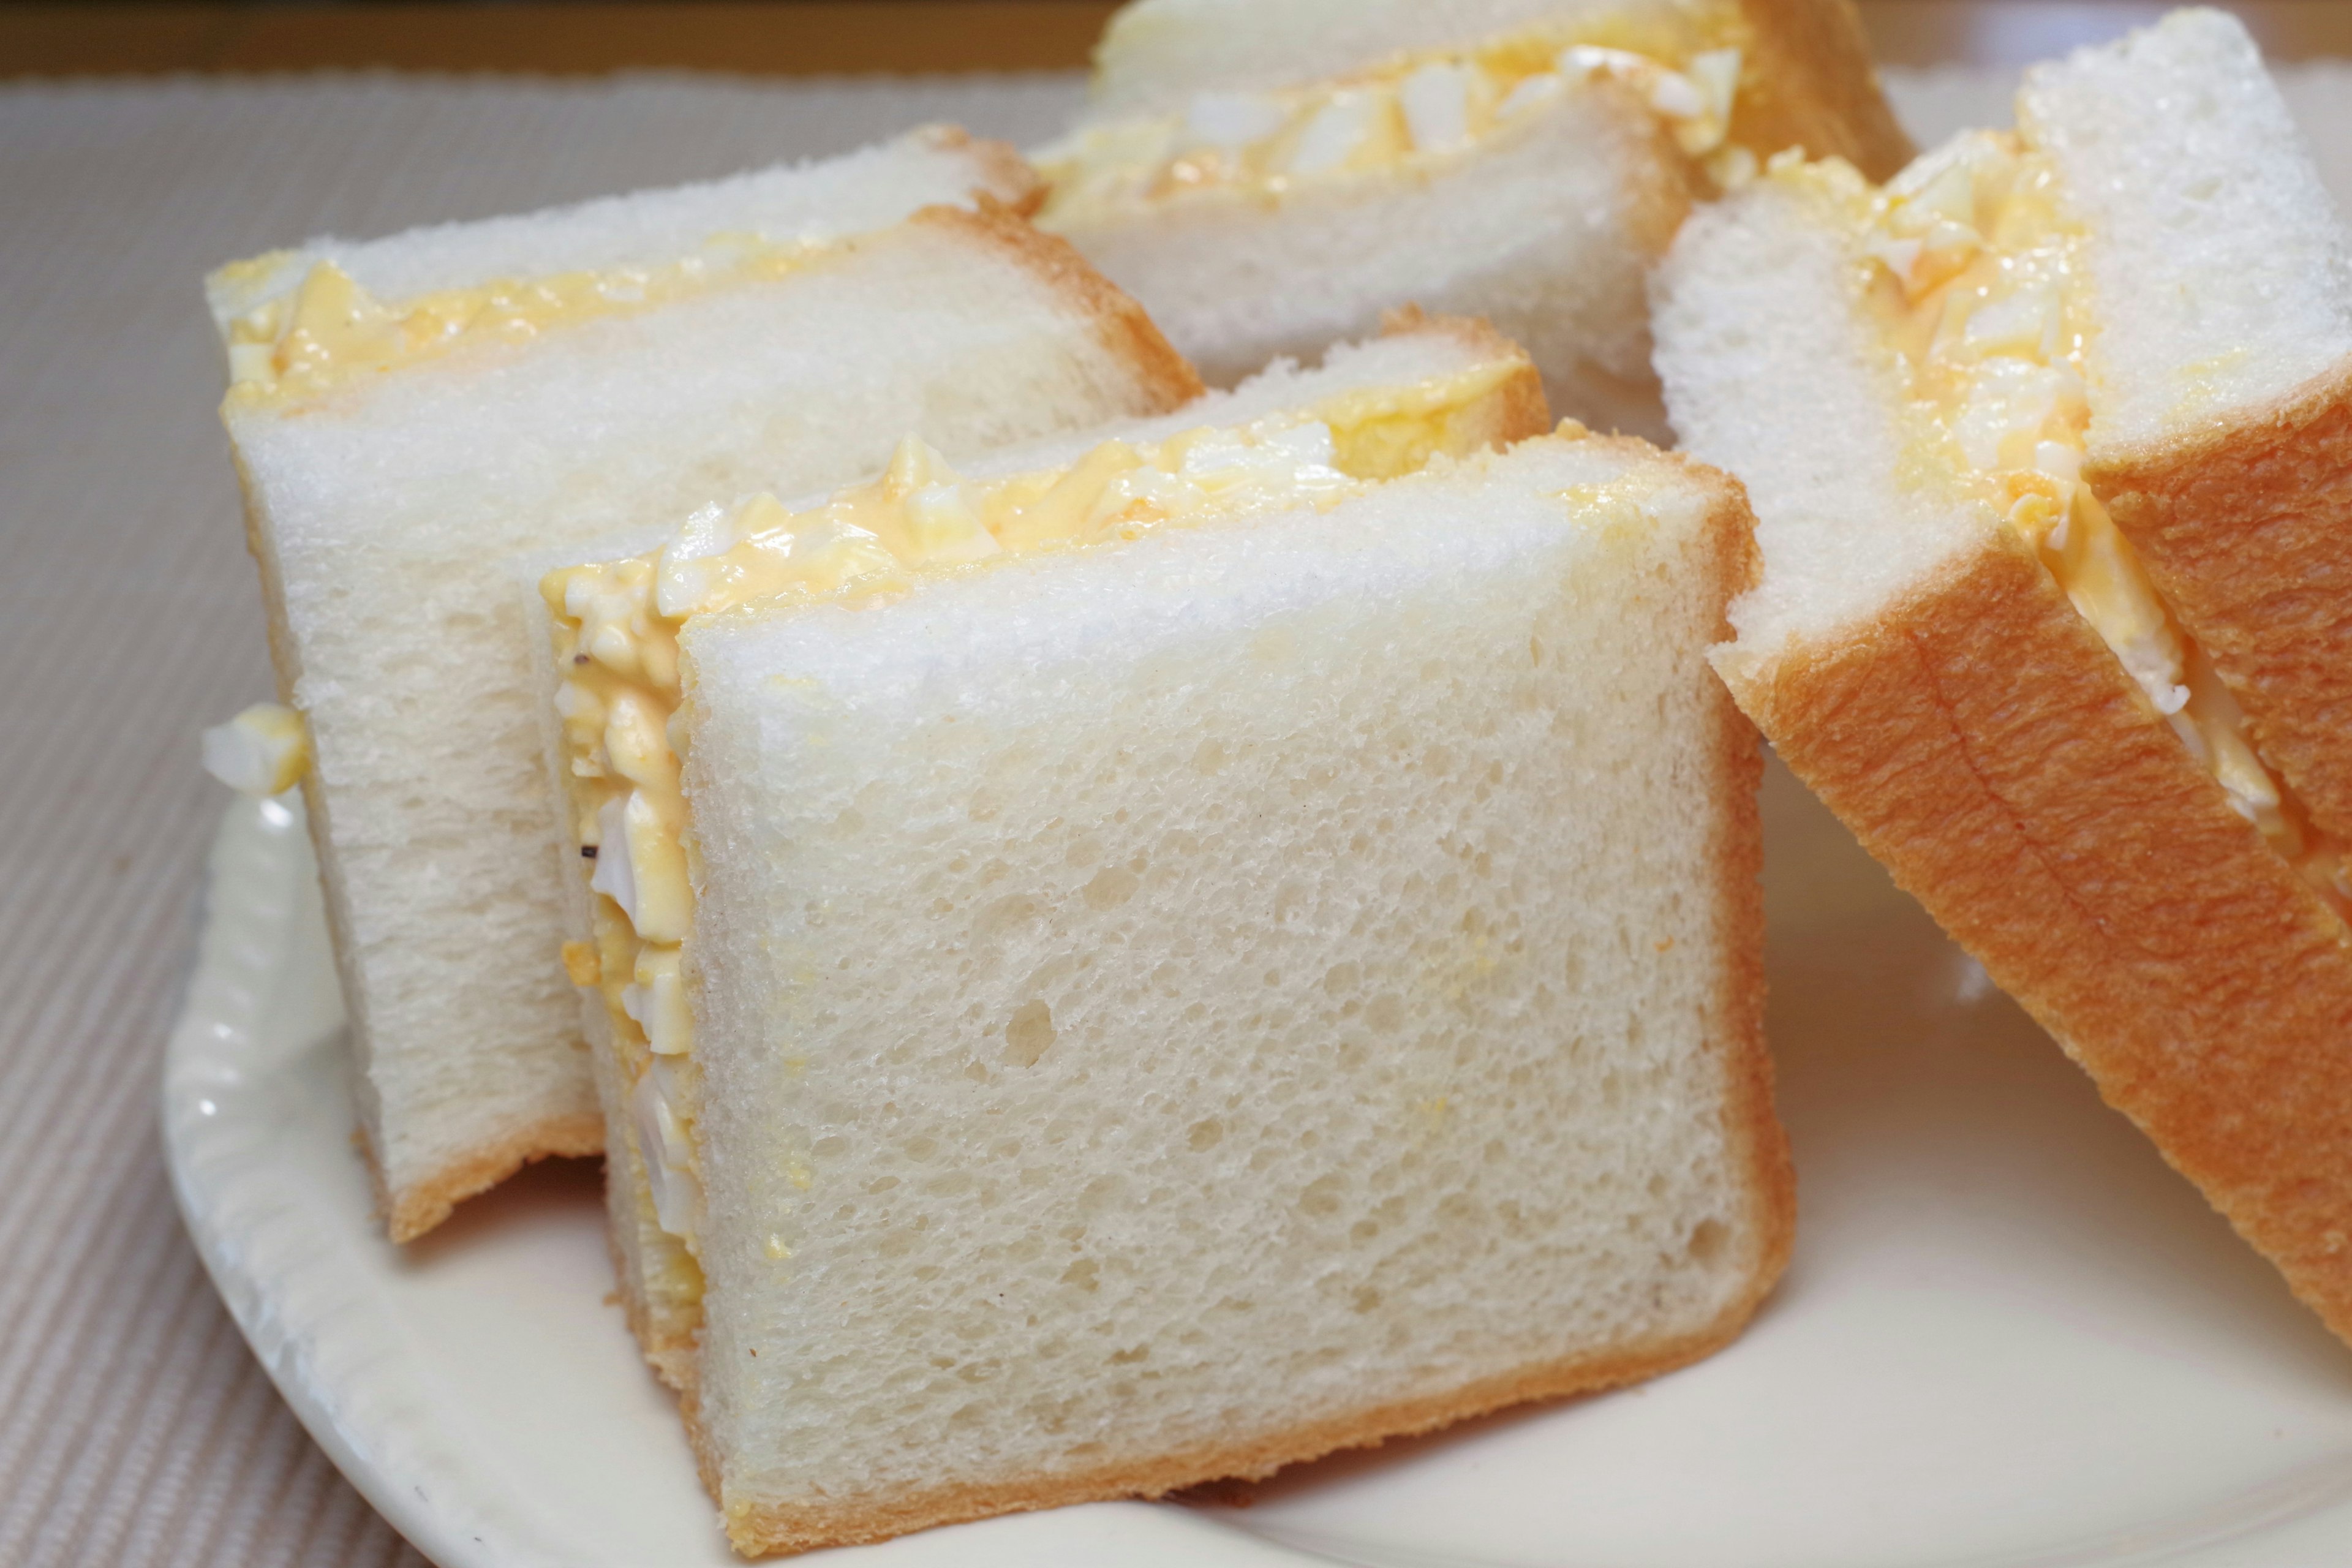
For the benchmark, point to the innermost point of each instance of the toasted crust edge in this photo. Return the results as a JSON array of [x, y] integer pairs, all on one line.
[[2246, 530], [1164, 379], [1986, 747], [1817, 87], [413, 1210], [1752, 1128]]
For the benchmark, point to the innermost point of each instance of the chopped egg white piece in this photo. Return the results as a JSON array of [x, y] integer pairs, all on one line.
[[261, 751], [1532, 93], [1342, 126], [668, 1156], [616, 876], [1232, 120], [1435, 99]]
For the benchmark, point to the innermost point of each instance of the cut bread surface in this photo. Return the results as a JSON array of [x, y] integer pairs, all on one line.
[[385, 501], [1955, 645], [1254, 191], [1428, 389], [1169, 1009]]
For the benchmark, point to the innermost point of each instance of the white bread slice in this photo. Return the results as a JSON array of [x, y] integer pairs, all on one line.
[[384, 511], [1545, 225], [1548, 229], [660, 1284], [2221, 375], [1915, 662], [1175, 1008]]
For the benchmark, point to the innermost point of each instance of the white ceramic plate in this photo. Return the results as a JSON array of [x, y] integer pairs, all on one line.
[[2011, 1338]]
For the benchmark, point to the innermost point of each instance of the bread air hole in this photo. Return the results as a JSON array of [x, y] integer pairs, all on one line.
[[1029, 1034]]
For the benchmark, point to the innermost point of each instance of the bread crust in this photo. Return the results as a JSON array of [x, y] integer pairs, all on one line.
[[760, 1530], [1982, 742], [1729, 564], [1809, 83], [1165, 380], [416, 1208], [2246, 530]]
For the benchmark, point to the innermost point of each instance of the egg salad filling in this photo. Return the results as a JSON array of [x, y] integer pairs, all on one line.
[[1975, 276], [617, 627], [328, 331], [1407, 114]]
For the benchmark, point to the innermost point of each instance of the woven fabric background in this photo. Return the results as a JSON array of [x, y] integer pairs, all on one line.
[[135, 1428]]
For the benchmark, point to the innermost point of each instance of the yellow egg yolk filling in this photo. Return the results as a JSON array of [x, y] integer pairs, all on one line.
[[1407, 113], [328, 331]]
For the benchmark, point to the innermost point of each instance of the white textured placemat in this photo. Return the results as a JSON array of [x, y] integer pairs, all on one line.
[[134, 1427]]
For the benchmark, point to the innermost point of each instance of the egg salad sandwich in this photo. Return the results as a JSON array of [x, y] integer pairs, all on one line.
[[1989, 415], [409, 414], [1160, 956], [1268, 176]]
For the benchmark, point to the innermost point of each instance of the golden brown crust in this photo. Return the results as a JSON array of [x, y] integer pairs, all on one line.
[[1809, 83], [419, 1206], [1165, 380], [2246, 530], [760, 1530], [1983, 743]]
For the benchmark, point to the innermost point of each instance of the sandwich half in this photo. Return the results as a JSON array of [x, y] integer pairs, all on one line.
[[1268, 176], [1426, 388], [1933, 393], [409, 414], [1235, 940]]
